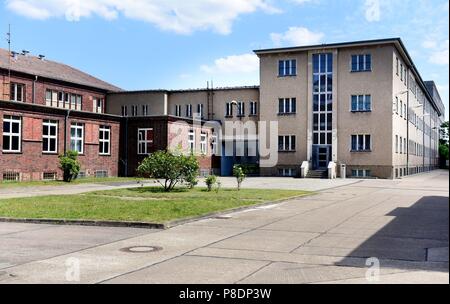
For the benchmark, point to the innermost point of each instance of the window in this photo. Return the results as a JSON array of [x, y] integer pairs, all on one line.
[[101, 174], [79, 103], [286, 143], [145, 141], [287, 106], [405, 78], [11, 176], [229, 109], [361, 103], [98, 105], [189, 110], [287, 68], [361, 173], [287, 172], [361, 63], [396, 143], [401, 145], [214, 150], [73, 102], [178, 110], [253, 108], [50, 136], [396, 105], [17, 92], [397, 67], [191, 140], [77, 137], [134, 111], [104, 140], [49, 176], [401, 108], [12, 133], [203, 143], [241, 109], [200, 111], [145, 110], [124, 111], [405, 110], [361, 143]]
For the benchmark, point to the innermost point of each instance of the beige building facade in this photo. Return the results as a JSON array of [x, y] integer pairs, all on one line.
[[359, 109]]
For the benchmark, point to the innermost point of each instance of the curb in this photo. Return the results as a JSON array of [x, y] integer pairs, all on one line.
[[146, 225]]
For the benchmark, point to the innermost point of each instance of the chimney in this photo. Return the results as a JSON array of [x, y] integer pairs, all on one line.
[[41, 57], [14, 55], [25, 52]]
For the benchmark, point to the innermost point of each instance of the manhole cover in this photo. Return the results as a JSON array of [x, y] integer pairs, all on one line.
[[141, 249]]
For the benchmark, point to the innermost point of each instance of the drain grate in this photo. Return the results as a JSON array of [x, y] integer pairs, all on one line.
[[141, 249]]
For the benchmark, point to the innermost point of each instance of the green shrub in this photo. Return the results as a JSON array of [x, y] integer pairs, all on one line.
[[238, 172], [170, 169], [210, 182], [70, 165]]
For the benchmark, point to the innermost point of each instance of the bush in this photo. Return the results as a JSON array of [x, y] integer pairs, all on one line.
[[170, 169], [70, 165], [210, 182], [238, 172]]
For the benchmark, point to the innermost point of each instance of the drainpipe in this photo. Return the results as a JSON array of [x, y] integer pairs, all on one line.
[[66, 119], [34, 89], [407, 130], [126, 147]]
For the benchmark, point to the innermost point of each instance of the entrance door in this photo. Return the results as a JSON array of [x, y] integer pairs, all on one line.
[[321, 157]]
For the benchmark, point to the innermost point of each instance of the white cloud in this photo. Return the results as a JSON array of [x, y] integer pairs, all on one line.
[[440, 53], [373, 10], [235, 64], [180, 16], [297, 36]]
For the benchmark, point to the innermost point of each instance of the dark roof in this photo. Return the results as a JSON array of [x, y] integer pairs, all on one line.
[[190, 90], [52, 70]]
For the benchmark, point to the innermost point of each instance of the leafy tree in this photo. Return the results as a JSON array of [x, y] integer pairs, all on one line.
[[170, 169], [444, 144], [239, 173], [210, 182], [70, 165]]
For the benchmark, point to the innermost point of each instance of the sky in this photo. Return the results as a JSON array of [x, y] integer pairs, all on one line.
[[173, 44]]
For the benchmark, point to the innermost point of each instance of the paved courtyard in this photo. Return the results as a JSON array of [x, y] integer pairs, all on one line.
[[325, 238]]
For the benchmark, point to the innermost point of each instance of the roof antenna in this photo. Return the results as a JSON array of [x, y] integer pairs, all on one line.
[[8, 39]]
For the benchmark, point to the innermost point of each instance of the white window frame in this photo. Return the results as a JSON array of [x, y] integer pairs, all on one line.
[[134, 110], [361, 173], [200, 110], [229, 109], [241, 109], [11, 120], [204, 143], [104, 143], [97, 108], [365, 136], [214, 145], [143, 141], [253, 108], [49, 137], [287, 172], [15, 87], [292, 68], [189, 110], [191, 140], [288, 105], [360, 102], [76, 138], [361, 67], [144, 110], [287, 146], [125, 111], [178, 110]]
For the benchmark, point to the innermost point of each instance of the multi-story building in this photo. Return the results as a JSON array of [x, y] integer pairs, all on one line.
[[47, 108], [359, 109], [359, 104]]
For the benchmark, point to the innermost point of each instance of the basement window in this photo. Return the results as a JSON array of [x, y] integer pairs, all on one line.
[[101, 173], [11, 176], [50, 176]]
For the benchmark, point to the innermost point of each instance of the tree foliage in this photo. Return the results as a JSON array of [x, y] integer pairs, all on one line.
[[70, 165], [170, 169], [239, 173]]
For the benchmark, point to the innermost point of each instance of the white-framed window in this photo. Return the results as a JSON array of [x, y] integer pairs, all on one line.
[[361, 103], [405, 111], [361, 63], [397, 65], [396, 105], [178, 110], [401, 108], [17, 92], [79, 104], [361, 173], [287, 67], [145, 141], [124, 111], [77, 137], [189, 110], [200, 108], [241, 109], [191, 140], [134, 111], [396, 143], [287, 172], [401, 72], [98, 105], [401, 145], [229, 109], [204, 143], [253, 108], [214, 146], [104, 140], [287, 105], [144, 110], [50, 136], [361, 143], [286, 143], [12, 133]]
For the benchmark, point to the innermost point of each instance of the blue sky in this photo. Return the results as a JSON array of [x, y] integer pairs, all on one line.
[[143, 44]]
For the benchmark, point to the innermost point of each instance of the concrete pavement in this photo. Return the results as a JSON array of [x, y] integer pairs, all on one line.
[[326, 238]]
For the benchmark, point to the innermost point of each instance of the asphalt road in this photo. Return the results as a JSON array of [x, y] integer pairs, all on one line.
[[402, 225]]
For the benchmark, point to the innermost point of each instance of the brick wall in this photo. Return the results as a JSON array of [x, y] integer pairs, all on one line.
[[31, 162]]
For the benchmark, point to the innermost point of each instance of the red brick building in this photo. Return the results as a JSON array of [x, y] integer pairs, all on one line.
[[48, 108]]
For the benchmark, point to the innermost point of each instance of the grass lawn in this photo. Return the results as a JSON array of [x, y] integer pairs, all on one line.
[[141, 204], [90, 180]]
